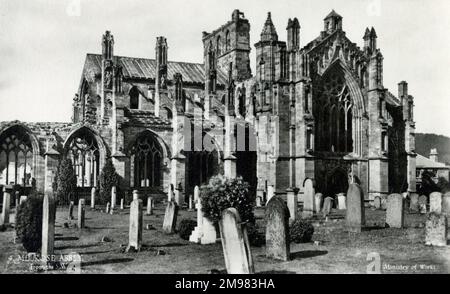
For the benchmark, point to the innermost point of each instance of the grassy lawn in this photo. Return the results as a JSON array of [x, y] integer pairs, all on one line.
[[335, 252]]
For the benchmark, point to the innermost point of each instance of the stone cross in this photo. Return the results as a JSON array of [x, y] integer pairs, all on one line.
[[395, 211], [235, 244], [170, 217], [318, 202], [71, 205], [423, 204], [93, 191], [6, 207], [277, 229], [80, 219], [436, 230], [270, 192], [355, 216], [377, 202], [292, 202], [308, 199], [48, 226], [327, 205], [121, 204], [136, 223], [209, 233], [113, 197], [149, 205], [446, 204], [414, 202], [108, 207], [341, 201], [436, 202]]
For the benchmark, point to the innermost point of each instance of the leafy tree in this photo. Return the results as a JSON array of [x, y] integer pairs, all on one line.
[[443, 185], [66, 182], [29, 223], [108, 179]]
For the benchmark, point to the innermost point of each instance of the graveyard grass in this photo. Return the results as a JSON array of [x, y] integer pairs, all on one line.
[[337, 252]]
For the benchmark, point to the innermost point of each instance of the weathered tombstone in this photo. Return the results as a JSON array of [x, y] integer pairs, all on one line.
[[270, 192], [93, 191], [191, 203], [235, 244], [292, 203], [71, 205], [423, 204], [446, 204], [327, 205], [197, 233], [179, 197], [318, 202], [377, 202], [22, 199], [436, 202], [258, 201], [113, 197], [209, 233], [196, 194], [108, 207], [308, 199], [149, 205], [135, 233], [48, 226], [170, 193], [342, 201], [6, 207], [395, 212], [170, 217], [277, 229], [414, 202], [80, 220], [355, 217], [383, 203], [436, 230], [135, 194], [121, 204]]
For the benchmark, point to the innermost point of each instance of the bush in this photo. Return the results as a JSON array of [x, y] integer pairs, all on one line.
[[255, 238], [301, 231], [66, 182], [222, 193], [29, 223], [108, 179], [186, 227]]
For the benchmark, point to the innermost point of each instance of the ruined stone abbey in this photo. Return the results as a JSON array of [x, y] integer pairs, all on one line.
[[315, 110]]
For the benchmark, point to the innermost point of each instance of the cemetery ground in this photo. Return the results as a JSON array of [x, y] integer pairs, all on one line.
[[332, 250]]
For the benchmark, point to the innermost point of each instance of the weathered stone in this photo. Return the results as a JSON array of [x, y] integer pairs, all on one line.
[[197, 233], [436, 202], [235, 244], [377, 202], [446, 204], [436, 230], [327, 205], [258, 201], [121, 204], [318, 198], [355, 217], [5, 207], [136, 223], [93, 192], [191, 203], [170, 193], [108, 207], [170, 217], [383, 203], [395, 211], [277, 229], [292, 202], [23, 199], [260, 196], [149, 205], [71, 205], [179, 199], [80, 220], [270, 192], [48, 226], [135, 194], [209, 233], [423, 204], [342, 201], [308, 199], [414, 202], [113, 197]]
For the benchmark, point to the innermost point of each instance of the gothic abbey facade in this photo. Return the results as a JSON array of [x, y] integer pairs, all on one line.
[[314, 110]]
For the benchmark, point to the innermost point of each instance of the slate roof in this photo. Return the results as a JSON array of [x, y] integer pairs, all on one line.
[[137, 117], [424, 162]]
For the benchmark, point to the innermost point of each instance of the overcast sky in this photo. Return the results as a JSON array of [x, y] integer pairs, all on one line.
[[43, 44]]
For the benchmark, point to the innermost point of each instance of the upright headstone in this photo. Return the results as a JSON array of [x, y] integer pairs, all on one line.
[[308, 199], [135, 231], [277, 229], [71, 205], [209, 233], [93, 192], [22, 199], [135, 194], [436, 202], [292, 202], [80, 220], [355, 217], [318, 198], [260, 196], [423, 204], [6, 207], [395, 211], [121, 204], [327, 205], [258, 201], [48, 226], [235, 244], [196, 194], [113, 197], [446, 204], [436, 229], [270, 192], [170, 218], [342, 201], [108, 207], [414, 202], [197, 233], [383, 203], [149, 205], [377, 202], [191, 202]]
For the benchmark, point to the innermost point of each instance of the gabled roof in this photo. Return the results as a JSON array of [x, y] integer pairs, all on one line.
[[332, 14], [424, 162]]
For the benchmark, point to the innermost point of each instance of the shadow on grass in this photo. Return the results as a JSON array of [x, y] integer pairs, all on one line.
[[106, 261], [75, 246], [307, 254], [171, 245], [66, 238], [373, 228], [95, 252], [277, 272]]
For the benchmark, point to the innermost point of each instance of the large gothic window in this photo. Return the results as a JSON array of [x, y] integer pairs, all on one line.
[[16, 157], [333, 114], [147, 158], [84, 152]]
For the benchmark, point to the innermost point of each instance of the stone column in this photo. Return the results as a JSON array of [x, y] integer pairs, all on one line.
[[93, 192], [48, 226], [6, 206]]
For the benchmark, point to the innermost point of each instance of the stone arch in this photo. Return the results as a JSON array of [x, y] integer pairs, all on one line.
[[336, 181], [134, 97]]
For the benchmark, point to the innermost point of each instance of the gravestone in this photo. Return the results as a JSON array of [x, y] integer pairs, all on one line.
[[436, 230], [108, 207], [383, 203], [191, 203], [93, 191], [260, 196], [318, 198], [235, 244], [5, 207], [197, 233], [423, 204], [308, 199], [48, 226], [209, 233], [327, 205], [446, 204], [113, 197], [135, 230], [414, 202], [341, 201], [270, 192], [258, 201], [135, 194], [436, 202], [355, 217], [170, 193], [149, 205], [71, 205], [395, 212], [377, 202], [277, 229], [80, 220], [292, 203], [170, 218], [121, 204], [22, 199]]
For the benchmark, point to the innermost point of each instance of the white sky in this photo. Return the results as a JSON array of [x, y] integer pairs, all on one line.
[[43, 44]]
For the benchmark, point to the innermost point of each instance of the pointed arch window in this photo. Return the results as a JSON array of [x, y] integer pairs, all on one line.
[[134, 98], [147, 158]]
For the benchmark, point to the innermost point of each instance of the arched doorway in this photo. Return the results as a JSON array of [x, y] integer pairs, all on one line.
[[246, 157], [337, 182]]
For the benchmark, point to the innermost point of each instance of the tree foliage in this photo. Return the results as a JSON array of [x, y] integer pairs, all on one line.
[[108, 179], [66, 182]]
